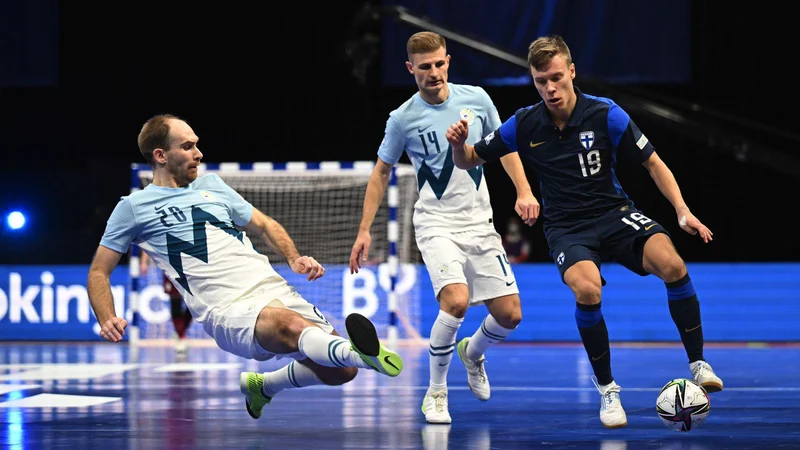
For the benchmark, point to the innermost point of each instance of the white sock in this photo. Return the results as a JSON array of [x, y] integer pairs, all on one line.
[[328, 350], [443, 343], [489, 333], [291, 376]]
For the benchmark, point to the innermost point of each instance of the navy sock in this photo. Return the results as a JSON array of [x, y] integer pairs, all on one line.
[[685, 311], [594, 335]]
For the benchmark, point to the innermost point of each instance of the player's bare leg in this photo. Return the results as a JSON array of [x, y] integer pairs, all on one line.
[[661, 259], [259, 389], [282, 331], [505, 314]]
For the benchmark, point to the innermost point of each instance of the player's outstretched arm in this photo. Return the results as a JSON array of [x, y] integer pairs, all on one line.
[[372, 200], [526, 205], [271, 231], [666, 183], [464, 156], [112, 328]]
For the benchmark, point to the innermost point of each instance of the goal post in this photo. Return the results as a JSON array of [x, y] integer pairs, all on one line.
[[320, 206]]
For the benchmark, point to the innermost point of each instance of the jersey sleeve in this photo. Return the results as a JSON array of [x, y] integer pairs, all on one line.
[[241, 210], [500, 142], [121, 227], [626, 137], [394, 142]]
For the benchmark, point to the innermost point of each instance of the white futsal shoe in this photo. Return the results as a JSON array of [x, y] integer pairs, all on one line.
[[704, 375], [611, 413], [476, 374], [434, 406]]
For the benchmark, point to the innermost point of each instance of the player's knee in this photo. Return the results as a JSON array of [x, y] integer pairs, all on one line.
[[282, 325], [339, 376], [291, 327], [456, 307], [673, 270], [454, 299], [586, 291], [509, 319]]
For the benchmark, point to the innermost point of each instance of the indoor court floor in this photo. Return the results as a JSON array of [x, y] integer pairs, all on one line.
[[105, 396]]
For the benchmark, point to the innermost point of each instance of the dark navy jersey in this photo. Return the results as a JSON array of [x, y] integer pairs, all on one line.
[[575, 166]]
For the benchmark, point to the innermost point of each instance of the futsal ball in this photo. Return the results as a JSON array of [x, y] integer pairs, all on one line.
[[683, 405]]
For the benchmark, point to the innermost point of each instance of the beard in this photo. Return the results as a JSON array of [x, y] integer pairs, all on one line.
[[181, 174]]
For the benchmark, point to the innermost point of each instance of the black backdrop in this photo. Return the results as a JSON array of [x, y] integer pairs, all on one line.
[[265, 84]]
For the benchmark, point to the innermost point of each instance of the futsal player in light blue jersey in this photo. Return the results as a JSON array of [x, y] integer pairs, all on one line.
[[195, 229], [452, 219]]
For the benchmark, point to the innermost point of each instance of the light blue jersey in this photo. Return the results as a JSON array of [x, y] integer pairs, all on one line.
[[191, 233], [449, 198]]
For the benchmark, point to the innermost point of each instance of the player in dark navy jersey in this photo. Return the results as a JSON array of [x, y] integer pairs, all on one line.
[[573, 140]]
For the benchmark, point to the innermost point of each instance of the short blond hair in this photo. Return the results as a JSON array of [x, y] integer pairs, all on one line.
[[542, 50], [424, 42]]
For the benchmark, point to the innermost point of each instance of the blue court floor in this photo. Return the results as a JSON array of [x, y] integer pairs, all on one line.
[[96, 396]]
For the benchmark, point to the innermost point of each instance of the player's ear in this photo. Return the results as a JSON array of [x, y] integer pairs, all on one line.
[[572, 71], [160, 156], [409, 66]]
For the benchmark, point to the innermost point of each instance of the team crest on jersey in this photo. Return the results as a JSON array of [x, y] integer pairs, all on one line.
[[587, 139], [208, 196], [468, 115], [488, 138]]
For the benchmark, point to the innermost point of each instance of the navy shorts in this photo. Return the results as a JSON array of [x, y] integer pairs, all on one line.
[[618, 236]]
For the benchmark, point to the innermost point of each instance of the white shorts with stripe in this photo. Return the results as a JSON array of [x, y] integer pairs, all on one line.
[[233, 326], [475, 258]]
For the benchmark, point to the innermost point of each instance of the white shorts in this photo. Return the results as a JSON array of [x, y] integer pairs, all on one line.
[[474, 258], [233, 326]]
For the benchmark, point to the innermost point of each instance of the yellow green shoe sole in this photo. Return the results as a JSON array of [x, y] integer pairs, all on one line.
[[365, 342]]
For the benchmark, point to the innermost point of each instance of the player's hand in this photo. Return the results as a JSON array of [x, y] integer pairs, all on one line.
[[457, 133], [690, 224], [360, 251], [308, 265], [113, 329], [527, 207]]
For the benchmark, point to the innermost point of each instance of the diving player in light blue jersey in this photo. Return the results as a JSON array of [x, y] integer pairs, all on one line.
[[191, 226], [452, 219]]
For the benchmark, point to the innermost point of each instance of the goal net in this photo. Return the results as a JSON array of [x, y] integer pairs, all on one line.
[[320, 206]]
